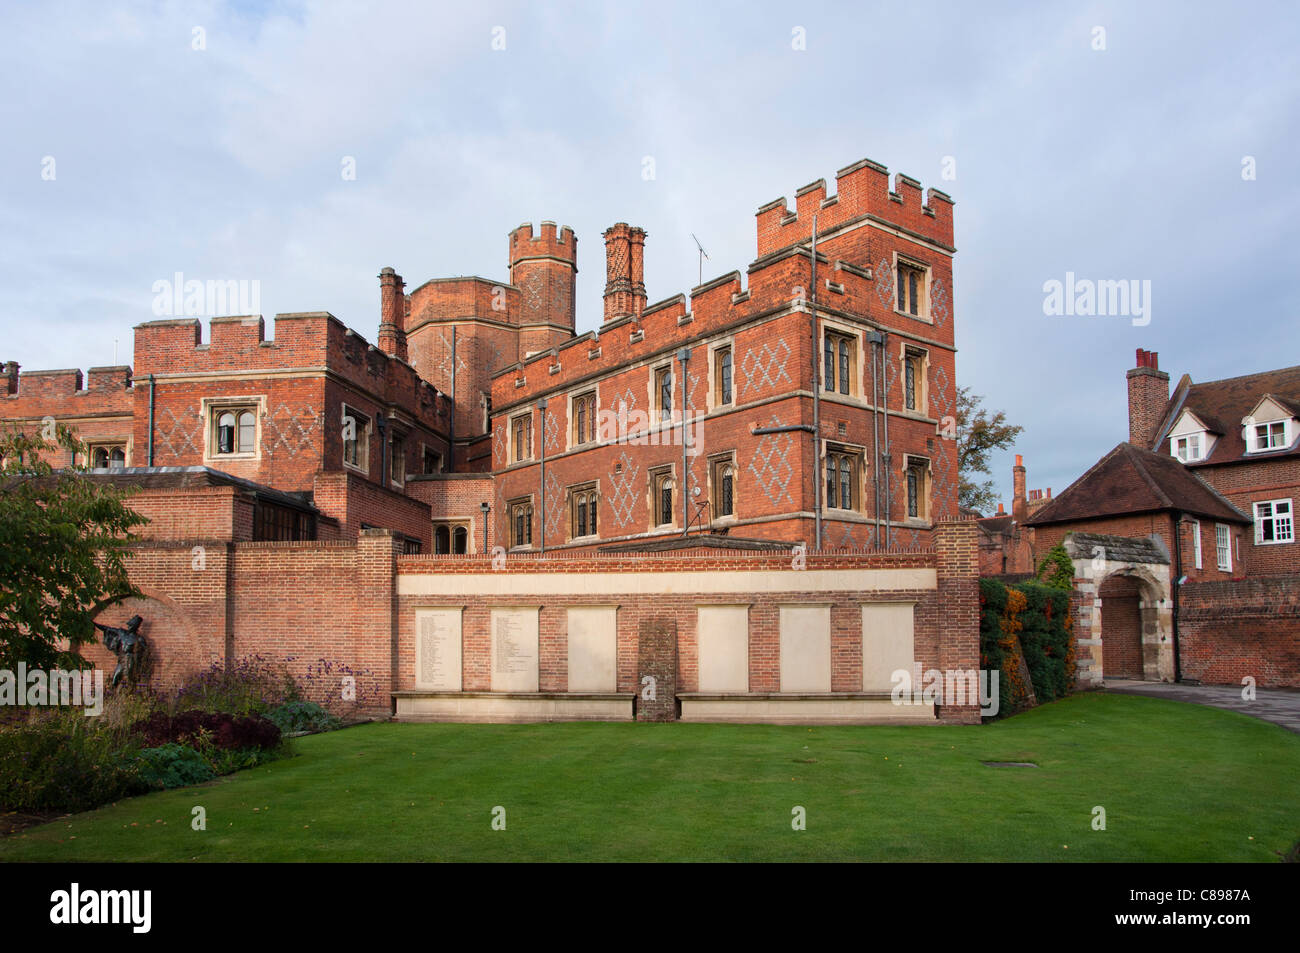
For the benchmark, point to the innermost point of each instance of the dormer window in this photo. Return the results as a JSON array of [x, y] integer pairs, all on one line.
[[1188, 448], [1268, 436]]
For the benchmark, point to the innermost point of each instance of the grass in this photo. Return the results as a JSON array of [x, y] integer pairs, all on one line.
[[1178, 783]]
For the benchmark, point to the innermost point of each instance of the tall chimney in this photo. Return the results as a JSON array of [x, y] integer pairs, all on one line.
[[11, 377], [624, 271], [1148, 396], [392, 314], [1019, 505]]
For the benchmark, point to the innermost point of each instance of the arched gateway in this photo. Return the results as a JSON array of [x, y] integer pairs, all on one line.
[[1124, 624]]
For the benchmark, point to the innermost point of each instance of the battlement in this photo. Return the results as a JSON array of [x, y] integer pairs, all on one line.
[[861, 190], [460, 299], [105, 392], [525, 245], [236, 342]]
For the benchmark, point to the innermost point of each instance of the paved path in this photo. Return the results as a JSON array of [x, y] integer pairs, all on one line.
[[1278, 705]]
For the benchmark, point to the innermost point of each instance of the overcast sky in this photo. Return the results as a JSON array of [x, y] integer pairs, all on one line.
[[227, 161]]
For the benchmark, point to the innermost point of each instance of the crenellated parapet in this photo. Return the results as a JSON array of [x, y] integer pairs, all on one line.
[[862, 190]]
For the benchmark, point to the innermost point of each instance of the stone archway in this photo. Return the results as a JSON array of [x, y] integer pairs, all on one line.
[[1124, 620]]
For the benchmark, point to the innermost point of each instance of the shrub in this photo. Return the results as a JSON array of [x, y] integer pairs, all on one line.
[[174, 766], [1046, 639], [1026, 629], [124, 709], [1057, 569], [203, 729], [250, 685], [62, 761], [237, 759], [302, 716]]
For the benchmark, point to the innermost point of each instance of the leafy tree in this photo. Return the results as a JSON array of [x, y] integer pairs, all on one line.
[[979, 433], [64, 540]]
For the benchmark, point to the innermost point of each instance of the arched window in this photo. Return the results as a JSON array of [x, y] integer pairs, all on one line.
[[117, 458], [99, 458], [459, 540], [226, 433], [841, 470], [591, 516], [247, 431], [728, 492], [844, 365], [581, 507], [442, 540], [663, 500], [724, 376]]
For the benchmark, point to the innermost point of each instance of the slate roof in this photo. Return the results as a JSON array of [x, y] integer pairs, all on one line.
[[1124, 549], [1221, 405], [1132, 480], [996, 525], [171, 478]]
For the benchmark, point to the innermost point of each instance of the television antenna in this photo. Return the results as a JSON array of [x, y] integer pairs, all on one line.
[[703, 255]]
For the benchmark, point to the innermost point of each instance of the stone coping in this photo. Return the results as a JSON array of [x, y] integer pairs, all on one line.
[[784, 696], [532, 696]]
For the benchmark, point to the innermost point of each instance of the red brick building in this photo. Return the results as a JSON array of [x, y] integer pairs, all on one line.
[[1183, 537], [806, 404]]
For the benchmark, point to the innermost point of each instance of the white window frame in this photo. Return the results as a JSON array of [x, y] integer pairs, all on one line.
[[1253, 444], [1273, 517], [1223, 546], [1196, 542], [1187, 439]]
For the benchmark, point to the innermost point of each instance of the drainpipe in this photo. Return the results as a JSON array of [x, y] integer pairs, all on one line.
[[541, 528], [683, 357], [151, 390], [817, 400], [1178, 575], [876, 340], [451, 415], [485, 508], [887, 456]]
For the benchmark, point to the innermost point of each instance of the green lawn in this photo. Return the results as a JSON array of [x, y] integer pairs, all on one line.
[[1178, 782]]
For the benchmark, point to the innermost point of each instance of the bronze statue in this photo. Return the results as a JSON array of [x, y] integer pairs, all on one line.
[[130, 648]]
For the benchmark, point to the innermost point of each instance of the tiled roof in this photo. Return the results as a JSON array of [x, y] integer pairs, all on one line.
[[1132, 480], [1221, 405]]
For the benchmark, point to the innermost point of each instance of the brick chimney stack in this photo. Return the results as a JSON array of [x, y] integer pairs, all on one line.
[[11, 377], [1019, 504], [624, 271], [1148, 395], [392, 314]]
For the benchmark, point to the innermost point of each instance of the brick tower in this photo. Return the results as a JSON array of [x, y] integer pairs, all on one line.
[[544, 269]]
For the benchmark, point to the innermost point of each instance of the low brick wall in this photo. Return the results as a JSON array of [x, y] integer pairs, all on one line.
[[344, 608], [1249, 627]]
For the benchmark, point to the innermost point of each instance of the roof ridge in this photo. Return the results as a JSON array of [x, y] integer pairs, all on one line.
[[1140, 465], [1242, 377], [1051, 504]]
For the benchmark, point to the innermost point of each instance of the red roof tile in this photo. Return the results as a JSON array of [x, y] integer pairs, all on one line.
[[1132, 480]]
